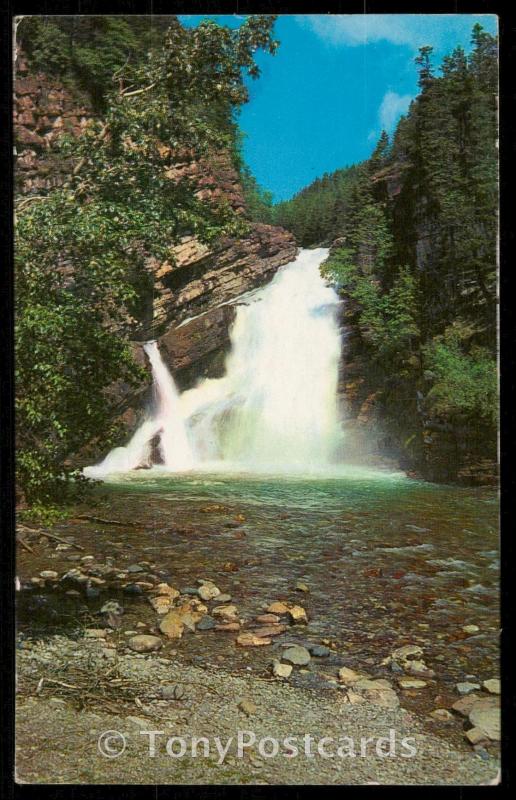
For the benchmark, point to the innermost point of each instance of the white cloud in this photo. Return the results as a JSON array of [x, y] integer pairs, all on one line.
[[391, 108], [412, 30], [359, 29]]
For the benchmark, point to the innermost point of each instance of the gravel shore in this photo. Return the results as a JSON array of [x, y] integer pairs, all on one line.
[[62, 711]]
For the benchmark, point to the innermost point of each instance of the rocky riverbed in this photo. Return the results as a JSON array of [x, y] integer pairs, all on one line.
[[145, 608]]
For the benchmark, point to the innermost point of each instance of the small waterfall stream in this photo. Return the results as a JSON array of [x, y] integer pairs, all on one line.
[[275, 408]]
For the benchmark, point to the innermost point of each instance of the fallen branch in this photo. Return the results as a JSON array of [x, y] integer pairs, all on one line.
[[63, 541], [56, 683], [24, 544], [49, 536], [111, 521]]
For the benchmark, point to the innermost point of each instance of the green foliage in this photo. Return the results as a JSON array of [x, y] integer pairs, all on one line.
[[464, 383], [315, 215], [258, 201], [380, 154], [387, 319], [46, 45], [43, 514], [82, 252], [449, 145], [87, 51]]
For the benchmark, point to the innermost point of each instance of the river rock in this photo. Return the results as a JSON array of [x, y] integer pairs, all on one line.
[[95, 633], [133, 588], [470, 628], [319, 650], [487, 719], [144, 643], [49, 574], [349, 676], [208, 591], [133, 568], [161, 604], [373, 683], [301, 587], [355, 698], [297, 614], [465, 704], [267, 619], [207, 623], [223, 598], [177, 619], [250, 640], [164, 589], [280, 670], [492, 686], [296, 655], [466, 688], [378, 692], [270, 630], [476, 736], [277, 608], [418, 667], [441, 714], [226, 612], [228, 627], [411, 683]]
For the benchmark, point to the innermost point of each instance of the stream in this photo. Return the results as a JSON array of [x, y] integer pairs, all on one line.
[[387, 560]]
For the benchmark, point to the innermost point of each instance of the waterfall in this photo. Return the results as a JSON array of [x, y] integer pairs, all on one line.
[[275, 408], [174, 446]]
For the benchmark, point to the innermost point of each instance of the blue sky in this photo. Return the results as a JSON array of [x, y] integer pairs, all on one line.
[[334, 83]]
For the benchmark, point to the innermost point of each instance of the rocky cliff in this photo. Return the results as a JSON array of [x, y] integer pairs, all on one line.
[[191, 305], [395, 421]]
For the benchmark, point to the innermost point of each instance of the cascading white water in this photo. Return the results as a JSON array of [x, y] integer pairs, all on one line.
[[275, 409], [276, 406], [174, 446]]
